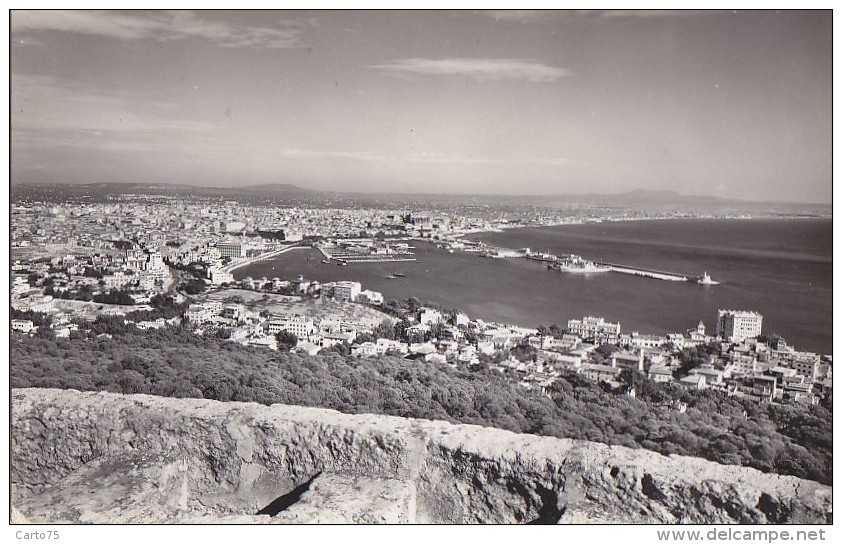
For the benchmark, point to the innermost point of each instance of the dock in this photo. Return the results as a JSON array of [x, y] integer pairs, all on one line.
[[347, 257], [321, 250]]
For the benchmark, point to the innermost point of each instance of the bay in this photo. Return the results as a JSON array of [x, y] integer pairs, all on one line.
[[781, 268]]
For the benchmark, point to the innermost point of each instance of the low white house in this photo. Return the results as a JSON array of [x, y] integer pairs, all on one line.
[[23, 325], [660, 373], [366, 349]]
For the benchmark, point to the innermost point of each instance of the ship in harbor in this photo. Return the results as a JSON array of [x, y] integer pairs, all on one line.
[[576, 264]]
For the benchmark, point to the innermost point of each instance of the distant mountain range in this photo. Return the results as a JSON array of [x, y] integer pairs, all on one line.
[[639, 196], [276, 188], [271, 192]]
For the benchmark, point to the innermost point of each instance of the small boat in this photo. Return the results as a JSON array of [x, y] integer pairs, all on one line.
[[704, 279], [398, 275], [325, 261], [342, 263]]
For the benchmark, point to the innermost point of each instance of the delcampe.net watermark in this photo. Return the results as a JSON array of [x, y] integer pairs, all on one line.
[[743, 535]]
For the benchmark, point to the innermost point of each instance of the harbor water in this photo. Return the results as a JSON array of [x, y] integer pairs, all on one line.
[[781, 268]]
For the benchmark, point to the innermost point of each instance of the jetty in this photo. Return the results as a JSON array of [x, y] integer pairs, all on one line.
[[645, 272], [372, 259]]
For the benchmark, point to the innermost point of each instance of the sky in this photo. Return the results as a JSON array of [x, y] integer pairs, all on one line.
[[730, 104]]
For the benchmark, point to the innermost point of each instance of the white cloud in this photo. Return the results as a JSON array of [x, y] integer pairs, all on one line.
[[520, 15], [298, 153], [26, 42], [161, 26], [479, 69], [553, 161], [647, 13], [418, 157], [368, 156], [142, 141], [48, 103], [539, 15], [48, 112], [432, 157]]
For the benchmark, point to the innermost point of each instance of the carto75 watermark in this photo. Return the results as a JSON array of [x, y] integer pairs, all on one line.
[[36, 535]]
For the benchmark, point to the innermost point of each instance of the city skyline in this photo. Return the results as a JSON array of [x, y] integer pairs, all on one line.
[[729, 104]]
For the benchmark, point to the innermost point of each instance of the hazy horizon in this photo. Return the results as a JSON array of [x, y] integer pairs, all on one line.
[[645, 195], [727, 104]]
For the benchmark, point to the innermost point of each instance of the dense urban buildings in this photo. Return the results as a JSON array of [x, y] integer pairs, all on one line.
[[75, 262]]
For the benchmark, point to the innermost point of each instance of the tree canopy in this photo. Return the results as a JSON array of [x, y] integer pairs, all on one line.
[[176, 362]]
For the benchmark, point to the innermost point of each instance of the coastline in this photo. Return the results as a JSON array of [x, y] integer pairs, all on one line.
[[262, 257]]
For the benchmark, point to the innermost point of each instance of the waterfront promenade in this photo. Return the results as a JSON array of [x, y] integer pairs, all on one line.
[[262, 257]]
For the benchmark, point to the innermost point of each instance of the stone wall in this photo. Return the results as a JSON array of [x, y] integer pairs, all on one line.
[[110, 458]]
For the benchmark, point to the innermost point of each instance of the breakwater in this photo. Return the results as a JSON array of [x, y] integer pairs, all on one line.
[[644, 273], [571, 262]]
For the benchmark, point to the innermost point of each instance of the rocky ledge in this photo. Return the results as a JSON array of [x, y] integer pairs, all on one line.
[[110, 458]]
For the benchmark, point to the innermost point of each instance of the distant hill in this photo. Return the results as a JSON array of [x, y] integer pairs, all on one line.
[[673, 201], [634, 197], [99, 191], [643, 196], [279, 193], [276, 188]]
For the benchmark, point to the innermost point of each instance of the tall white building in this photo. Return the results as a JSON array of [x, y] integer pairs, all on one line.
[[155, 262], [230, 250], [737, 325], [346, 290], [300, 326], [118, 280], [429, 316], [219, 276]]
